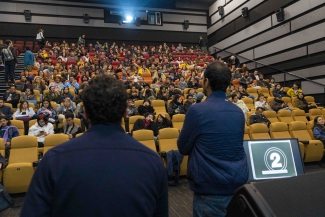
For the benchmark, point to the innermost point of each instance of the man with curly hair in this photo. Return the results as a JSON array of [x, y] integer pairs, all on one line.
[[104, 172]]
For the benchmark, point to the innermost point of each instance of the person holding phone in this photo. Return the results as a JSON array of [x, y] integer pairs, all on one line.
[[40, 129]]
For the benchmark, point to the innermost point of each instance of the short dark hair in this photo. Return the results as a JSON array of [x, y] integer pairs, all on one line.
[[105, 99], [27, 47], [69, 115], [7, 42], [233, 96], [6, 118], [297, 83], [219, 76], [259, 108]]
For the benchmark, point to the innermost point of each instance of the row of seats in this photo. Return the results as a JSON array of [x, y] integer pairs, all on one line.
[[286, 116], [311, 150]]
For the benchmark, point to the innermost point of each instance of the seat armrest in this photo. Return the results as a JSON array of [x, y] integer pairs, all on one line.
[[305, 142]]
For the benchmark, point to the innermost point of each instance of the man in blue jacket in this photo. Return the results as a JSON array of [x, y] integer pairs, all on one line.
[[28, 59], [212, 136], [104, 172]]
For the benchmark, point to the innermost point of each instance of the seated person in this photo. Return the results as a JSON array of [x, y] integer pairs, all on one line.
[[29, 96], [278, 104], [231, 90], [23, 84], [172, 91], [163, 94], [41, 129], [279, 91], [57, 83], [146, 123], [176, 106], [53, 95], [182, 83], [24, 113], [131, 108], [243, 94], [199, 97], [47, 110], [295, 90], [5, 110], [258, 117], [246, 80], [188, 103], [7, 132], [134, 93], [162, 122], [319, 129], [262, 103], [66, 94], [38, 84], [70, 128], [240, 104], [67, 107], [72, 83], [11, 96], [301, 103], [146, 92], [146, 108], [82, 117]]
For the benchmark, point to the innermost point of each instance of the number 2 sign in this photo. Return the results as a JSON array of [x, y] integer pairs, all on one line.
[[271, 159]]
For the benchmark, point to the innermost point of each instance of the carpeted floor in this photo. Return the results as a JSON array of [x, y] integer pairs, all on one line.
[[180, 198]]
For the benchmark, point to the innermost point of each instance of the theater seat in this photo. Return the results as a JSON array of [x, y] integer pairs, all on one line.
[[19, 172], [285, 116], [178, 121], [310, 127], [53, 140], [137, 103], [271, 115], [79, 134], [313, 148], [249, 103], [20, 125], [313, 113], [264, 91], [299, 115], [246, 134], [159, 106], [132, 120], [258, 131], [146, 138], [279, 130]]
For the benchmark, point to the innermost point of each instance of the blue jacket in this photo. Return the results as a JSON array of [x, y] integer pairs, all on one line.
[[29, 58], [7, 111], [319, 133], [212, 136], [104, 172]]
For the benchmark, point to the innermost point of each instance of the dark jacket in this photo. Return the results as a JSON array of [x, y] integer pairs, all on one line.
[[319, 133], [212, 136], [186, 106], [164, 124], [259, 119], [120, 177], [139, 125], [243, 81], [276, 105], [74, 130], [279, 93], [63, 96], [7, 111], [173, 106], [144, 109], [53, 97], [15, 97]]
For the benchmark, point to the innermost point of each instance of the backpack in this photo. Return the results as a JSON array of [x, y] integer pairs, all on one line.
[[7, 54]]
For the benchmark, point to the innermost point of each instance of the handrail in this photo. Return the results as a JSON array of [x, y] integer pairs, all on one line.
[[285, 72]]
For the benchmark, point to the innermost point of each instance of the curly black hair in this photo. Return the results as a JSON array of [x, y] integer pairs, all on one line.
[[105, 100]]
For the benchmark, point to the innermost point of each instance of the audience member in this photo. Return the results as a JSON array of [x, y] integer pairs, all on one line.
[[28, 59], [278, 90], [5, 110], [38, 84], [243, 94], [176, 106], [162, 122], [262, 103], [146, 108], [295, 90], [7, 132], [66, 94], [258, 117], [199, 97], [57, 83], [278, 104], [146, 123], [188, 103], [301, 103], [245, 80], [47, 110], [319, 129], [67, 107], [70, 128], [240, 104], [146, 92], [11, 96], [131, 108], [29, 96], [41, 129], [72, 83], [53, 95], [182, 83], [22, 84], [24, 113]]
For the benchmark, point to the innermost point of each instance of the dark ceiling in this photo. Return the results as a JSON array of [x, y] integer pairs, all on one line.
[[171, 4]]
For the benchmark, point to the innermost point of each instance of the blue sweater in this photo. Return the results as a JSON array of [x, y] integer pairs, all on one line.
[[29, 58], [104, 172], [319, 133], [212, 136]]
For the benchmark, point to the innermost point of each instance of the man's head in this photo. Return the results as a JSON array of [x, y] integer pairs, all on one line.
[[234, 98], [23, 78], [1, 102], [57, 79], [216, 78], [8, 42], [12, 88], [104, 100], [71, 79], [27, 47], [69, 118], [171, 87], [52, 89], [146, 103], [83, 36], [149, 117], [129, 102], [189, 98], [259, 110]]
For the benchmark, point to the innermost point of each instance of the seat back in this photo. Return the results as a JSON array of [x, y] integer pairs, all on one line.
[[159, 106], [299, 115], [298, 129], [8, 104], [132, 120], [2, 148], [53, 140], [313, 113], [23, 149], [271, 115], [258, 131], [246, 134], [285, 116], [248, 119], [178, 121], [249, 103], [137, 103], [310, 99], [269, 99], [279, 130], [252, 91], [146, 138], [168, 139], [20, 125], [310, 128], [31, 123], [264, 91]]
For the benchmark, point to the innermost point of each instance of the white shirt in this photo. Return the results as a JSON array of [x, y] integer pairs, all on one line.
[[39, 36]]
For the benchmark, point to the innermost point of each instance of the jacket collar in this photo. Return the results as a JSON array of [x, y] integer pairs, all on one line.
[[217, 94], [105, 128]]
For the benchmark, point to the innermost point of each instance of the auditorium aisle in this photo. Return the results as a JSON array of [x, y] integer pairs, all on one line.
[[180, 198]]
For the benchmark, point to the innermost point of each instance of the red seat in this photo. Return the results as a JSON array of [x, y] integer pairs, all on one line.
[[115, 63], [146, 56], [122, 59], [20, 42]]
